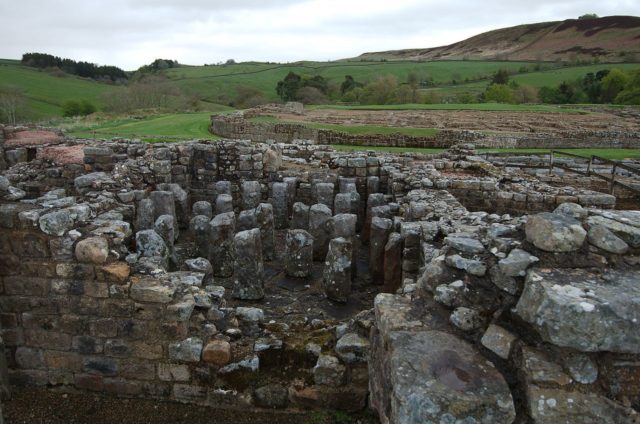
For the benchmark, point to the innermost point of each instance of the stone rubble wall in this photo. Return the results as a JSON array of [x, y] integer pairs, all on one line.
[[485, 291], [475, 322], [237, 126]]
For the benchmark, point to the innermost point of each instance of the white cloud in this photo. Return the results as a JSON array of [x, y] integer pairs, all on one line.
[[130, 33]]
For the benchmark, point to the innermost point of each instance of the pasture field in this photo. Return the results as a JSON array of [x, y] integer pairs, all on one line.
[[46, 93], [551, 78], [355, 129], [169, 127], [187, 126], [218, 81]]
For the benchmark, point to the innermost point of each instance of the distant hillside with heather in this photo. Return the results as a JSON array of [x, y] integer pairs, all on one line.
[[607, 39]]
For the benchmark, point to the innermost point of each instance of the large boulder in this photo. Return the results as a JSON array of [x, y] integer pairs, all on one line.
[[588, 312], [555, 232], [435, 377]]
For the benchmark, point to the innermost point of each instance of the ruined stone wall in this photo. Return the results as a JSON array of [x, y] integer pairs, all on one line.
[[237, 126], [92, 296]]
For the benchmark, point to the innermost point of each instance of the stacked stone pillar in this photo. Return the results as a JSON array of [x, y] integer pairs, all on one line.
[[249, 269], [321, 228], [380, 230], [221, 245], [298, 261], [336, 279]]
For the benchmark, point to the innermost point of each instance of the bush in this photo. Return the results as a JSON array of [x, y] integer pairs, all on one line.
[[525, 94], [311, 96], [73, 108], [498, 93]]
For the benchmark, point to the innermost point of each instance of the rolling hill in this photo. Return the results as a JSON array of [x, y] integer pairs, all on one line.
[[45, 93], [608, 39]]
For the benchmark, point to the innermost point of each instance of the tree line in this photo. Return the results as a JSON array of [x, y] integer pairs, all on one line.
[[79, 68]]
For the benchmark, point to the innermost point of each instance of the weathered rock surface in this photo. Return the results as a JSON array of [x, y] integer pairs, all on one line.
[[434, 377], [336, 279], [248, 279], [555, 232], [574, 308], [601, 237], [298, 261], [625, 226], [93, 249], [321, 228], [378, 236], [221, 247], [552, 406]]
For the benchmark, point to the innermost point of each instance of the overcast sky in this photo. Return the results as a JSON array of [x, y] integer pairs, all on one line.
[[130, 33]]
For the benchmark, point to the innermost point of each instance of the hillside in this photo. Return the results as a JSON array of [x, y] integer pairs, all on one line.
[[46, 93], [608, 39]]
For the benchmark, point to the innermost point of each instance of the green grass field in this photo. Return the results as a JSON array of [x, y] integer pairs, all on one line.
[[356, 129], [187, 126], [46, 93], [170, 127], [538, 79], [223, 80], [614, 154]]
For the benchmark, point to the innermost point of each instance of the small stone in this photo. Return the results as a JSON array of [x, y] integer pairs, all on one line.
[[498, 340], [516, 263], [447, 294], [217, 352], [466, 319], [56, 223], [150, 244], [272, 396], [93, 250], [581, 368], [201, 265], [472, 266], [571, 209], [352, 348], [328, 371], [464, 244], [188, 350]]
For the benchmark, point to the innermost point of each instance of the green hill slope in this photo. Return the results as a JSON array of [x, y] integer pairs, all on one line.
[[219, 83], [46, 93], [610, 38]]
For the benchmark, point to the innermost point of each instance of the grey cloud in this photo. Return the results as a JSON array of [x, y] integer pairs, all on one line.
[[129, 33]]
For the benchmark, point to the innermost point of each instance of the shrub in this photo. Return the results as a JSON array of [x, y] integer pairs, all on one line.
[[498, 93], [311, 96], [72, 108]]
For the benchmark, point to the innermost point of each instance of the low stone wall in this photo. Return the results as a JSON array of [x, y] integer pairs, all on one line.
[[238, 126]]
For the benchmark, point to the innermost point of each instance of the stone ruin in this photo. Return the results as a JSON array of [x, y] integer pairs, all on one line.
[[239, 274]]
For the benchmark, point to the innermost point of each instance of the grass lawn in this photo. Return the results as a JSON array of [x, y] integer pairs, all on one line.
[[180, 126], [355, 129], [614, 154]]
